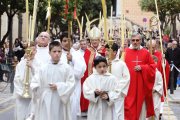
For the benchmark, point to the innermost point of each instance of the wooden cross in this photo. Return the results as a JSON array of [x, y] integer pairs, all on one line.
[[137, 60]]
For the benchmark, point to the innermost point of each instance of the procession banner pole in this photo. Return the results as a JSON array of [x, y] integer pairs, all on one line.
[[69, 35], [28, 50], [105, 19], [162, 58], [122, 30], [49, 15]]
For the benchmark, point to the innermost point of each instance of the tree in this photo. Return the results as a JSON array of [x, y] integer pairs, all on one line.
[[92, 9], [168, 11], [10, 7]]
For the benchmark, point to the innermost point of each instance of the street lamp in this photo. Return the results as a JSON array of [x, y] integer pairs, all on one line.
[[10, 59]]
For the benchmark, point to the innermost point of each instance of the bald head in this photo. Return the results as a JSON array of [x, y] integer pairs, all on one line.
[[153, 46], [174, 44], [153, 42], [43, 39]]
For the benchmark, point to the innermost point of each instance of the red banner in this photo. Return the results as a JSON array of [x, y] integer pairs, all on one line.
[[66, 8]]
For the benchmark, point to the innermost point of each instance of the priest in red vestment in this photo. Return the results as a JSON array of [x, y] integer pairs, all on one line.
[[160, 68], [139, 101], [93, 50], [159, 64]]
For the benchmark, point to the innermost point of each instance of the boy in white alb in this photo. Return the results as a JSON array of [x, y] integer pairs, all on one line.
[[78, 65], [102, 90], [157, 92], [56, 83], [121, 72], [22, 109]]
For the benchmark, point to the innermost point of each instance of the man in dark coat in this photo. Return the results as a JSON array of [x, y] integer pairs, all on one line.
[[173, 54]]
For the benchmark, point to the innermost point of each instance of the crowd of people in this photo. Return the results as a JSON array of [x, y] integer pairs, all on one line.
[[85, 87]]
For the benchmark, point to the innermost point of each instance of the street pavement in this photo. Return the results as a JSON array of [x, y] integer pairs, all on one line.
[[7, 105]]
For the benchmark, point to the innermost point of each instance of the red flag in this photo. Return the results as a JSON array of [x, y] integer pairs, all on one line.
[[75, 11], [66, 9]]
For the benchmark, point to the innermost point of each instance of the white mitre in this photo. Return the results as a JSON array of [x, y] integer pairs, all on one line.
[[95, 34]]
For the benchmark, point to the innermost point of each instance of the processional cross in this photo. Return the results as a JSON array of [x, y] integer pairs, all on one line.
[[137, 61]]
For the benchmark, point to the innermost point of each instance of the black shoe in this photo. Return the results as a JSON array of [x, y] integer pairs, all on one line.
[[159, 117]]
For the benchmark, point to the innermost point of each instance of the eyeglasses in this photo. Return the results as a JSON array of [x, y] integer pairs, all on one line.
[[137, 40], [43, 36], [174, 44]]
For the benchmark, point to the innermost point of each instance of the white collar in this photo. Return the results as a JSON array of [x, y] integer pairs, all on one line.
[[131, 47], [59, 63]]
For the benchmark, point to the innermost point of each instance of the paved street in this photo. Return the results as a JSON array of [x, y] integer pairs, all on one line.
[[7, 105]]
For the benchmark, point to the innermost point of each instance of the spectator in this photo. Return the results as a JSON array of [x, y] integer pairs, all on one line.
[[18, 43], [159, 47], [169, 45], [173, 54], [158, 40], [2, 61], [7, 48], [15, 61], [19, 49]]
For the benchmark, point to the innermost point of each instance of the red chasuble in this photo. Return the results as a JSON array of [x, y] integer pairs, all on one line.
[[141, 83], [89, 56], [160, 68]]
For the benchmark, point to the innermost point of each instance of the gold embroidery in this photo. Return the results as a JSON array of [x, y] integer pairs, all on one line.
[[90, 63], [94, 32]]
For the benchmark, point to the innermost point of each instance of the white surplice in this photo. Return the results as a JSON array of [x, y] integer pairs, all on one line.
[[81, 52], [21, 109], [43, 54], [121, 72], [158, 86], [54, 104], [79, 67], [100, 109]]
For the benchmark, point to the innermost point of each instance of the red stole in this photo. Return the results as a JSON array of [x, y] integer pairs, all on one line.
[[141, 83]]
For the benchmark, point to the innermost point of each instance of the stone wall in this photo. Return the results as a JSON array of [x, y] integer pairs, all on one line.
[[135, 13]]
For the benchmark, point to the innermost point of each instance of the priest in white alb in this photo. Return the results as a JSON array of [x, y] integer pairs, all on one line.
[[83, 46], [43, 47], [77, 63]]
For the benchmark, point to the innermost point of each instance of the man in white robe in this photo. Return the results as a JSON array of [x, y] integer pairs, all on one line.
[[157, 92], [56, 84], [77, 63], [84, 45], [43, 47], [22, 109], [121, 72], [100, 109]]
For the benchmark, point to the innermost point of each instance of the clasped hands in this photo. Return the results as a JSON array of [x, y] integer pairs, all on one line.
[[102, 94], [137, 68]]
